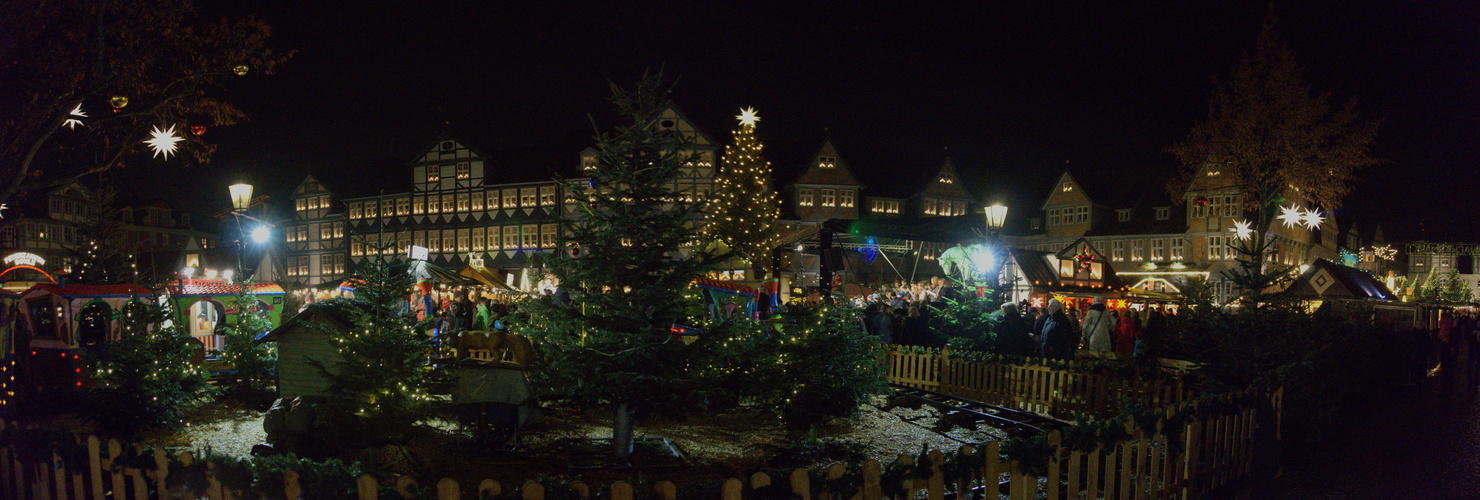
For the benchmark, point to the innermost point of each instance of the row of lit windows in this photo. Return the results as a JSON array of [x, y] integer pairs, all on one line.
[[826, 197], [1160, 250], [463, 171], [493, 199], [312, 203], [478, 239], [884, 206], [933, 206], [1067, 216], [327, 231], [329, 264], [1162, 213], [1215, 206]]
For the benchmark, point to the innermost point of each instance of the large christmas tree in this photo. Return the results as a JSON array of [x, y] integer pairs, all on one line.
[[627, 265], [744, 212]]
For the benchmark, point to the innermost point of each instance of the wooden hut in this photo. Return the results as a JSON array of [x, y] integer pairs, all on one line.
[[303, 341]]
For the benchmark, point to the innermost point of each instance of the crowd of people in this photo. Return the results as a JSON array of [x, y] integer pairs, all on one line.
[[1458, 330], [910, 314]]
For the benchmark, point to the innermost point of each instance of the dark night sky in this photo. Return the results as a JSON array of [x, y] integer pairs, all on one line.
[[1012, 90]]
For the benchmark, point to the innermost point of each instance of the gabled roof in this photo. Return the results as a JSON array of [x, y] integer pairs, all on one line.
[[838, 175], [1142, 221], [334, 311], [702, 140], [934, 186], [1331, 280]]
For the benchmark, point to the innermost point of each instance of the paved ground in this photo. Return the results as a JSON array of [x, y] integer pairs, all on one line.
[[1421, 446]]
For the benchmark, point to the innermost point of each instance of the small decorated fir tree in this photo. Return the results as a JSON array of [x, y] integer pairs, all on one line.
[[148, 378], [253, 364], [744, 212]]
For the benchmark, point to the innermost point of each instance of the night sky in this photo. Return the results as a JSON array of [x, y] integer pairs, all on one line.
[[1013, 92]]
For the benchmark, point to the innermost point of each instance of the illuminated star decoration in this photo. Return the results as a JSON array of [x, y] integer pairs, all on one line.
[[748, 117], [163, 141], [1290, 216], [1241, 228], [1312, 219], [72, 123]]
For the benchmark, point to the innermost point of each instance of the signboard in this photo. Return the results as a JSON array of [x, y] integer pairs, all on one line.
[[414, 252], [24, 259]]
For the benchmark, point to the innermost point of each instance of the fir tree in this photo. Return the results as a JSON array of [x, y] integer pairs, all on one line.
[[1455, 289], [380, 385], [253, 364], [627, 265], [744, 212], [148, 378], [104, 257], [1432, 289]]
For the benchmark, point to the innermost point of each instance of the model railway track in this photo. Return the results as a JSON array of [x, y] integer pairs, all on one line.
[[957, 411]]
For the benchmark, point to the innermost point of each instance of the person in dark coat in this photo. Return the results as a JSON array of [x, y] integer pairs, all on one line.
[[881, 324], [1058, 339], [1012, 335], [1038, 317], [1152, 333]]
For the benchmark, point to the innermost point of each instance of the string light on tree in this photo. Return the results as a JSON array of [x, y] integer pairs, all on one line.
[[745, 208], [163, 141]]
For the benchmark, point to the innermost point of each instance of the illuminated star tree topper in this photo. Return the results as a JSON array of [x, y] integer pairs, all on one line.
[[748, 117], [163, 141]]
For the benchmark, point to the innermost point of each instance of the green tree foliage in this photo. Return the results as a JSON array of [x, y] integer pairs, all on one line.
[[745, 208], [161, 55], [967, 323], [253, 364], [827, 368], [634, 260], [106, 255], [148, 378], [1456, 289], [1432, 289], [380, 386]]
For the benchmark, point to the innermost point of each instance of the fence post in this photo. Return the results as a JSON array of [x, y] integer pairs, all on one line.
[[1053, 464], [943, 378], [581, 489], [489, 488], [759, 480], [447, 489], [731, 489], [936, 488], [666, 490], [621, 491], [872, 475], [291, 489], [368, 487], [95, 465], [536, 491], [800, 486]]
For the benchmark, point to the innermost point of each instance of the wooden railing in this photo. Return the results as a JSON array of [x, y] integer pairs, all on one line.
[[1209, 453], [1040, 389]]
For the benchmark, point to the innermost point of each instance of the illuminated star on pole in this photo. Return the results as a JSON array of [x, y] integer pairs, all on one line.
[[1290, 216], [1241, 228], [1312, 219], [748, 117], [163, 141], [72, 123]]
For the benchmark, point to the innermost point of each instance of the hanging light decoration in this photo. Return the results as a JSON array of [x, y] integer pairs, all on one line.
[[1290, 216], [72, 123], [240, 70], [118, 102], [1242, 230], [197, 129], [163, 141]]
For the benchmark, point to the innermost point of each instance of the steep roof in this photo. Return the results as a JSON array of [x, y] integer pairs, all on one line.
[[818, 173], [1332, 280], [335, 311]]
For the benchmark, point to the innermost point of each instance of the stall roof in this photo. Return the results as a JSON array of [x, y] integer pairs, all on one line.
[[1329, 279], [223, 289], [92, 290], [337, 310]]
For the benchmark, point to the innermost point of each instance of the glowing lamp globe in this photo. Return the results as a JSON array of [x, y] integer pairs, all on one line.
[[996, 216], [241, 196], [118, 102], [260, 234], [240, 70]]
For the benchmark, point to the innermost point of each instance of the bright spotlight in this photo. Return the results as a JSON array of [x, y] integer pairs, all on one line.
[[260, 234]]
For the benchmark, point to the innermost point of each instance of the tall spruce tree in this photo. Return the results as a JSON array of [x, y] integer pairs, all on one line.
[[253, 363], [104, 256], [147, 379], [744, 212], [627, 264]]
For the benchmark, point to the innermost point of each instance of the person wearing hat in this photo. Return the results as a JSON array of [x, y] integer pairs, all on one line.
[[1058, 339], [1097, 326]]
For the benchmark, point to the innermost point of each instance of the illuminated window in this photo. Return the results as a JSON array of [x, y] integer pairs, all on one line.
[[477, 199], [547, 196], [827, 161], [928, 206], [511, 237], [511, 198], [338, 229], [420, 238], [478, 245], [947, 178], [449, 241], [1138, 250], [529, 236], [492, 200], [845, 197], [1035, 223], [1215, 248], [462, 202], [303, 233], [403, 206], [371, 209], [1117, 250], [527, 197], [588, 163], [547, 235], [464, 170], [387, 207], [1176, 249], [326, 231], [448, 203], [1157, 249], [1067, 187], [354, 211], [960, 208], [828, 197], [463, 243], [804, 197], [434, 173]]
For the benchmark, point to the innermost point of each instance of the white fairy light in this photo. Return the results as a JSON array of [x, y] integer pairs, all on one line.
[[72, 123], [163, 141], [748, 117], [1290, 216], [1242, 229], [1312, 219]]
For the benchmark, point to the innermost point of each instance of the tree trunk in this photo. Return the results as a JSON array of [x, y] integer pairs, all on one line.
[[622, 431]]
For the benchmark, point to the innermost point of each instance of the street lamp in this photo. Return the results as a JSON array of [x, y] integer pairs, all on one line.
[[996, 216], [241, 197]]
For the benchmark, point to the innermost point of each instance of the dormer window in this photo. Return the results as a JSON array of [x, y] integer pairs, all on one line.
[[947, 178], [1123, 214], [804, 197], [827, 161], [1035, 223], [588, 163], [1163, 213], [1067, 187], [1214, 173]]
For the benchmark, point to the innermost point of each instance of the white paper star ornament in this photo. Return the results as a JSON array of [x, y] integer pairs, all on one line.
[[163, 141]]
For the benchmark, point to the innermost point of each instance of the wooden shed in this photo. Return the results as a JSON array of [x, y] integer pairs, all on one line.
[[304, 339]]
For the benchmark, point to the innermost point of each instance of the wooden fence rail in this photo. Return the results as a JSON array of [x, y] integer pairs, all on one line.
[[1040, 389], [1209, 454]]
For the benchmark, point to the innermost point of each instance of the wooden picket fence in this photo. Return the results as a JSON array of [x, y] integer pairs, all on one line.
[[1039, 389], [1212, 452]]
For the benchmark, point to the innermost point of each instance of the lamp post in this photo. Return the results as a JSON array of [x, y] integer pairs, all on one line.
[[996, 216]]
